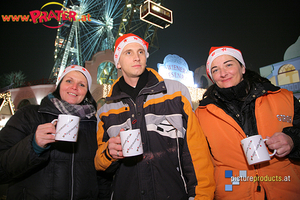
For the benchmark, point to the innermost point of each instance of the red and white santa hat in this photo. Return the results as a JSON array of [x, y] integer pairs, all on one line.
[[125, 39], [83, 70], [215, 52]]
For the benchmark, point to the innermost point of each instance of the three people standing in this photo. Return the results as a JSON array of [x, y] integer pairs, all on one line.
[[180, 161]]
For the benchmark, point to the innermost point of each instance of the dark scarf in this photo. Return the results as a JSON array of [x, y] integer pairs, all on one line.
[[131, 91], [64, 107], [236, 94], [238, 101]]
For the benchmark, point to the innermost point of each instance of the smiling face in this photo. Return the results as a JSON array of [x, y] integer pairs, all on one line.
[[73, 87], [227, 71], [132, 63]]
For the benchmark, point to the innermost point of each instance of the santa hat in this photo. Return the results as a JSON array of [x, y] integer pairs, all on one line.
[[219, 51], [125, 39], [83, 70]]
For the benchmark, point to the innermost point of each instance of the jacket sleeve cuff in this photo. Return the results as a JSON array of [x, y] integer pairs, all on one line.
[[294, 133], [108, 156], [37, 149], [103, 159]]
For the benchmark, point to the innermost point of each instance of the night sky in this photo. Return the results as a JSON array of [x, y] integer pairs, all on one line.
[[262, 30]]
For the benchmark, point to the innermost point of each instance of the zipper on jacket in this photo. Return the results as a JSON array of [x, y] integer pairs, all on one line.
[[135, 109], [258, 188], [72, 174], [180, 167]]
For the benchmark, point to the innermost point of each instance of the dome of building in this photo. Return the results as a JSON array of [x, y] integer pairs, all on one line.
[[293, 51], [172, 58]]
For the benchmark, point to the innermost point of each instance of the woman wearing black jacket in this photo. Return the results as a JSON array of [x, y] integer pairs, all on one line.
[[34, 165]]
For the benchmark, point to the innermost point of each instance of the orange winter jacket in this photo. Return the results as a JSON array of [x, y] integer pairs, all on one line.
[[278, 178]]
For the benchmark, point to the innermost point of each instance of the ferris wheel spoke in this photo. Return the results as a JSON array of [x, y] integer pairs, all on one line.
[[106, 19]]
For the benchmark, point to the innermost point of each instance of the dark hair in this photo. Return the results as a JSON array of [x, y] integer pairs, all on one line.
[[88, 99], [253, 77]]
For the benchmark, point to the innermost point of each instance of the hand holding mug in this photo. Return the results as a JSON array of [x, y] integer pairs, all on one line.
[[131, 142], [255, 150], [45, 134], [126, 144], [115, 148], [281, 142], [67, 128]]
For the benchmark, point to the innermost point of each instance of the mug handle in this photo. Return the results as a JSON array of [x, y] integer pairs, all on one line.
[[274, 152], [53, 121]]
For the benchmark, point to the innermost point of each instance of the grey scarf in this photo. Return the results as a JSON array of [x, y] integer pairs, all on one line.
[[64, 107]]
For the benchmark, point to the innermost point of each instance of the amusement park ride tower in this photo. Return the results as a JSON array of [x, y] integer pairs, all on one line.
[[99, 23]]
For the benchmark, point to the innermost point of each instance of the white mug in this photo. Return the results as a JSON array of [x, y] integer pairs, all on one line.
[[131, 141], [255, 150], [67, 128]]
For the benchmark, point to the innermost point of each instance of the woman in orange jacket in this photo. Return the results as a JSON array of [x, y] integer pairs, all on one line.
[[240, 104]]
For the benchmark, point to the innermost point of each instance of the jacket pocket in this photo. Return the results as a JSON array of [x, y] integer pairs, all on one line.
[[166, 125]]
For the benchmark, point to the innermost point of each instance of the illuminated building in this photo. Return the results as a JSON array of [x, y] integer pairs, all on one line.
[[286, 74]]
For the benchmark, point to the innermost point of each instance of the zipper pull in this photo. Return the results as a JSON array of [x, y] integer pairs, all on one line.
[[258, 189]]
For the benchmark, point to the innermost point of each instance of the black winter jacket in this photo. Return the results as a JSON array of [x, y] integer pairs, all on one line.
[[64, 171], [173, 143]]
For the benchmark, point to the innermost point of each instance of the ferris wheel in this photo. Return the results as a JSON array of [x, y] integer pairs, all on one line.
[[99, 23]]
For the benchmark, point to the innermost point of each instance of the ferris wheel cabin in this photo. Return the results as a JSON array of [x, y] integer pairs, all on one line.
[[155, 14]]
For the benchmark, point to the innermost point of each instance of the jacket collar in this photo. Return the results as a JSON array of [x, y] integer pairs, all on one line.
[[258, 89], [48, 107], [155, 84]]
